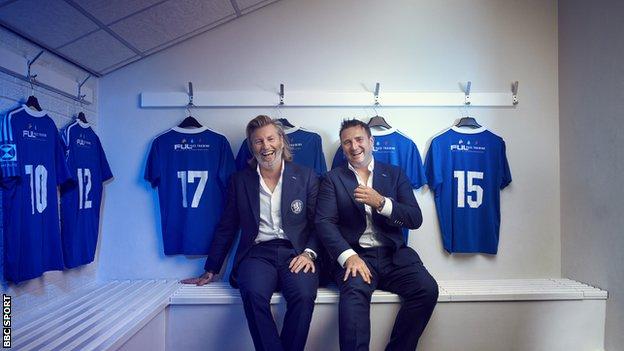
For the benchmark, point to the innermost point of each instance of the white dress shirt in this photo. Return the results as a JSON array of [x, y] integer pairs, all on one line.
[[271, 212], [370, 237]]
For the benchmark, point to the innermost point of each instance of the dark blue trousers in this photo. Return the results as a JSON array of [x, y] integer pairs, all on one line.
[[411, 281], [263, 271]]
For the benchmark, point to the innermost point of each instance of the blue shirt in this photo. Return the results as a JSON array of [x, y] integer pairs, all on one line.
[[80, 202], [33, 165], [466, 169], [191, 168], [306, 147]]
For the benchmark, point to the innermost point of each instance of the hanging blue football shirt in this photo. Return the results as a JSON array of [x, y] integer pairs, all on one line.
[[33, 165], [191, 168], [466, 169], [393, 147], [306, 147], [80, 202]]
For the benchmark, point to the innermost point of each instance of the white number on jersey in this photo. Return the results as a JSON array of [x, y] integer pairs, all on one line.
[[187, 177], [38, 187], [84, 188], [473, 201]]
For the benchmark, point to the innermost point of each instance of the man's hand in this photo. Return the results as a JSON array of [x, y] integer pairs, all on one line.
[[302, 261], [368, 196], [353, 265], [204, 279]]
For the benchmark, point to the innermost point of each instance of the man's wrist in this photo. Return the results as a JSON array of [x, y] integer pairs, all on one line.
[[381, 204], [310, 255]]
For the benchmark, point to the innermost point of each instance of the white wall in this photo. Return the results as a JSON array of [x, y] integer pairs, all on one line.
[[349, 45], [62, 110], [591, 53]]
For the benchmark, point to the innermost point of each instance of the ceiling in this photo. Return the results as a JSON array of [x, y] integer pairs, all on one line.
[[101, 36]]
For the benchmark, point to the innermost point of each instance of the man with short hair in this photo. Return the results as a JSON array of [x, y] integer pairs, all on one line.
[[273, 203], [361, 207]]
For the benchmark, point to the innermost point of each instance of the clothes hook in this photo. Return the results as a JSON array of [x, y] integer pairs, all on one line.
[[467, 93], [514, 92], [281, 94]]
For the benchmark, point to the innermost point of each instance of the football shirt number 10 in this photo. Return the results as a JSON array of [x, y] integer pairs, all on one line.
[[38, 187]]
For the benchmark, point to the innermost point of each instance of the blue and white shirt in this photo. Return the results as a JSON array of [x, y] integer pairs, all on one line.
[[80, 202], [191, 168], [466, 169], [32, 165]]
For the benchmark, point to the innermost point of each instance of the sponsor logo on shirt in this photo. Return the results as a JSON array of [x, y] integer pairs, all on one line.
[[81, 141], [469, 146], [191, 145], [384, 147], [32, 134]]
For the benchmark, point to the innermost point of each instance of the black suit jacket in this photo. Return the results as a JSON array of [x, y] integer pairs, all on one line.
[[242, 211], [340, 220]]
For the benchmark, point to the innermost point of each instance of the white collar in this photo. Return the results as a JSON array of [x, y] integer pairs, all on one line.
[[382, 132], [371, 165], [83, 124], [468, 130], [34, 112], [190, 130]]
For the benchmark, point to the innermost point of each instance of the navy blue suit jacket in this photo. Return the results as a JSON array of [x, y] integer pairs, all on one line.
[[340, 220], [242, 211]]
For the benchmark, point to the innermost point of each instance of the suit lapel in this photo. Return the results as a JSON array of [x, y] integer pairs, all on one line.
[[349, 181], [291, 182], [252, 187], [380, 179]]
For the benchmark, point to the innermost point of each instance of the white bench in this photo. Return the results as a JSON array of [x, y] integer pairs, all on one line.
[[101, 317], [516, 314]]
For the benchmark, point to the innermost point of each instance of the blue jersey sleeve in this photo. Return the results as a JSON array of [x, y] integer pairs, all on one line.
[[319, 163], [152, 168], [414, 169], [433, 167], [339, 158], [8, 150], [227, 165], [243, 156], [62, 170], [104, 166], [504, 166]]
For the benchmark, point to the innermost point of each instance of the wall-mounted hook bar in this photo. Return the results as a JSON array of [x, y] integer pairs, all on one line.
[[281, 94], [81, 96], [514, 92], [467, 93], [190, 93], [377, 94]]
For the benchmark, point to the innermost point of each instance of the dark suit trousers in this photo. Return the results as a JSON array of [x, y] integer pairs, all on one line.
[[263, 271], [416, 287]]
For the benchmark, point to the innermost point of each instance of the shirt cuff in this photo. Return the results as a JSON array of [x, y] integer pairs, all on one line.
[[386, 210], [344, 255], [314, 255]]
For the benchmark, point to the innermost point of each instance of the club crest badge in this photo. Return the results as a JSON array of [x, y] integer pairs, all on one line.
[[296, 206]]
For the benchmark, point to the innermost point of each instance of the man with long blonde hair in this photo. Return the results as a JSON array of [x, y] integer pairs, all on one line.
[[273, 203]]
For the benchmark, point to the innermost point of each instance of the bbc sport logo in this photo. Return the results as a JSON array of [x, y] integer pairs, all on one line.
[[6, 321]]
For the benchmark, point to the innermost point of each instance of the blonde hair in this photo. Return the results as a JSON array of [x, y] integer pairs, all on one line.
[[263, 121]]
